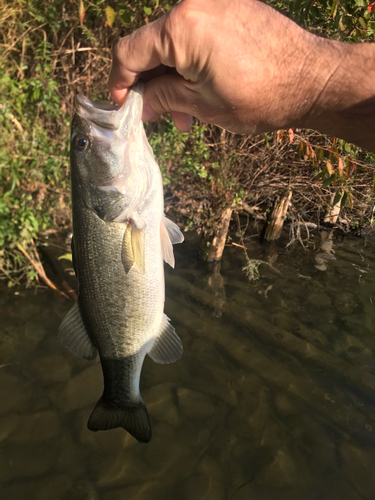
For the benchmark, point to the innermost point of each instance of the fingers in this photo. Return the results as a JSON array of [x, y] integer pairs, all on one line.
[[143, 50], [182, 121], [170, 94]]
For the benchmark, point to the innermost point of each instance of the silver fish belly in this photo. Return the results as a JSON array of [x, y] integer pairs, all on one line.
[[120, 239]]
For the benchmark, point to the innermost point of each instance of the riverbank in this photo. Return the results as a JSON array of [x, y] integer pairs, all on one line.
[[52, 51]]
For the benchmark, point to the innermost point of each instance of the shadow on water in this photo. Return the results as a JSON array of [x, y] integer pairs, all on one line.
[[273, 399]]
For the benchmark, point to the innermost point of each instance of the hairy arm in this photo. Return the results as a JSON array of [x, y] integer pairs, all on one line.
[[245, 67], [345, 107]]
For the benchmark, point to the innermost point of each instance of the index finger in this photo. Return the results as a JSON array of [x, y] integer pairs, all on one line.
[[145, 49]]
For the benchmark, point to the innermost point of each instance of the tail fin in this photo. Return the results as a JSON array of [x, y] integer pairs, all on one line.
[[133, 419]]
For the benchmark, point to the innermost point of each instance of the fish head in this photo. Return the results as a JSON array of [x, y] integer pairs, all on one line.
[[111, 160]]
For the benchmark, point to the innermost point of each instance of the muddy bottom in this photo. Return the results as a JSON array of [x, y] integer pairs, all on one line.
[[273, 399]]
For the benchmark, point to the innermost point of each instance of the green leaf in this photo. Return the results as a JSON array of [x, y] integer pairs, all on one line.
[[148, 11], [341, 24], [110, 15], [350, 199], [362, 22], [328, 182], [126, 17], [337, 198], [320, 153], [373, 183], [66, 256], [344, 199], [333, 8]]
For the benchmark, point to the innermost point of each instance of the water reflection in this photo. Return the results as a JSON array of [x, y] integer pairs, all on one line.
[[216, 288], [273, 399], [326, 252]]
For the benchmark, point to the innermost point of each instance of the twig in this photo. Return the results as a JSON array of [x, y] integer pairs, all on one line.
[[40, 270], [23, 34]]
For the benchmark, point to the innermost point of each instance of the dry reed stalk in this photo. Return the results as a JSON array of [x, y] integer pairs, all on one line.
[[38, 266]]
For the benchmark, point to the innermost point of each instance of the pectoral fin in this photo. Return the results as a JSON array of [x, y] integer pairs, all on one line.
[[127, 250], [167, 348], [166, 245], [174, 232], [138, 246], [73, 335], [169, 235]]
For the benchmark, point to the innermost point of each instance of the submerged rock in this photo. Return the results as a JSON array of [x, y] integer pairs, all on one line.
[[51, 487], [19, 462], [200, 487], [14, 393], [81, 391], [119, 471], [281, 471], [106, 442], [194, 404], [8, 424], [52, 368], [145, 490], [358, 467], [36, 427], [160, 401]]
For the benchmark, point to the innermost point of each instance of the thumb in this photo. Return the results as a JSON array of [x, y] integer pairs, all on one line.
[[170, 94]]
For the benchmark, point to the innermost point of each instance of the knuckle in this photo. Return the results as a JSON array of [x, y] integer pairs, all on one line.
[[117, 49], [183, 17]]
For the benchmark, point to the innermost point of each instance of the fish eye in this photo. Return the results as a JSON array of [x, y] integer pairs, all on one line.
[[81, 142]]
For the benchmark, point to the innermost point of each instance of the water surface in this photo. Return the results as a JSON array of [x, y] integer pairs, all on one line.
[[274, 397]]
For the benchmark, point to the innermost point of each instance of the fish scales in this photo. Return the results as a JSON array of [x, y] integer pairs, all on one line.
[[120, 239]]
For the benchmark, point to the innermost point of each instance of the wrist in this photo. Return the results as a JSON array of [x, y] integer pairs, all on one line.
[[344, 97]]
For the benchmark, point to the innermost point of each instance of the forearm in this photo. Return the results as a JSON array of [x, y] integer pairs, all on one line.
[[345, 105]]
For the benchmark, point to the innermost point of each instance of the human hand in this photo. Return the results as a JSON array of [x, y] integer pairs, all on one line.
[[244, 66], [239, 64]]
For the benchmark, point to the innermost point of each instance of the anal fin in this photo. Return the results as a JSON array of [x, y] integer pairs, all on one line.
[[167, 347], [73, 335]]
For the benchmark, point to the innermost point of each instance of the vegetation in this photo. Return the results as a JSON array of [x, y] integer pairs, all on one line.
[[51, 49]]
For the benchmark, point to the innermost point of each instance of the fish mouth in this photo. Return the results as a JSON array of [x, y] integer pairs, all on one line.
[[107, 115], [102, 114]]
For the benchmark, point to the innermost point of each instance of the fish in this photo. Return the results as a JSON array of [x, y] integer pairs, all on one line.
[[120, 239]]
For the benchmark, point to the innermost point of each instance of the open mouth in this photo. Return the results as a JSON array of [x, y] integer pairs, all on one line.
[[111, 116], [104, 114]]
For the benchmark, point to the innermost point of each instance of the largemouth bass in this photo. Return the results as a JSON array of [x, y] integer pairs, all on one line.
[[120, 239]]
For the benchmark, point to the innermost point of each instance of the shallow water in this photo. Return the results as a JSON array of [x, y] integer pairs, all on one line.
[[273, 399]]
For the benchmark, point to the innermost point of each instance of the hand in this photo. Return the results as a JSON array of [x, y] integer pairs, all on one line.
[[243, 66]]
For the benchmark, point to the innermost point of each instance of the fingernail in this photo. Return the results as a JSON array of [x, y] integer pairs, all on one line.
[[149, 114]]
